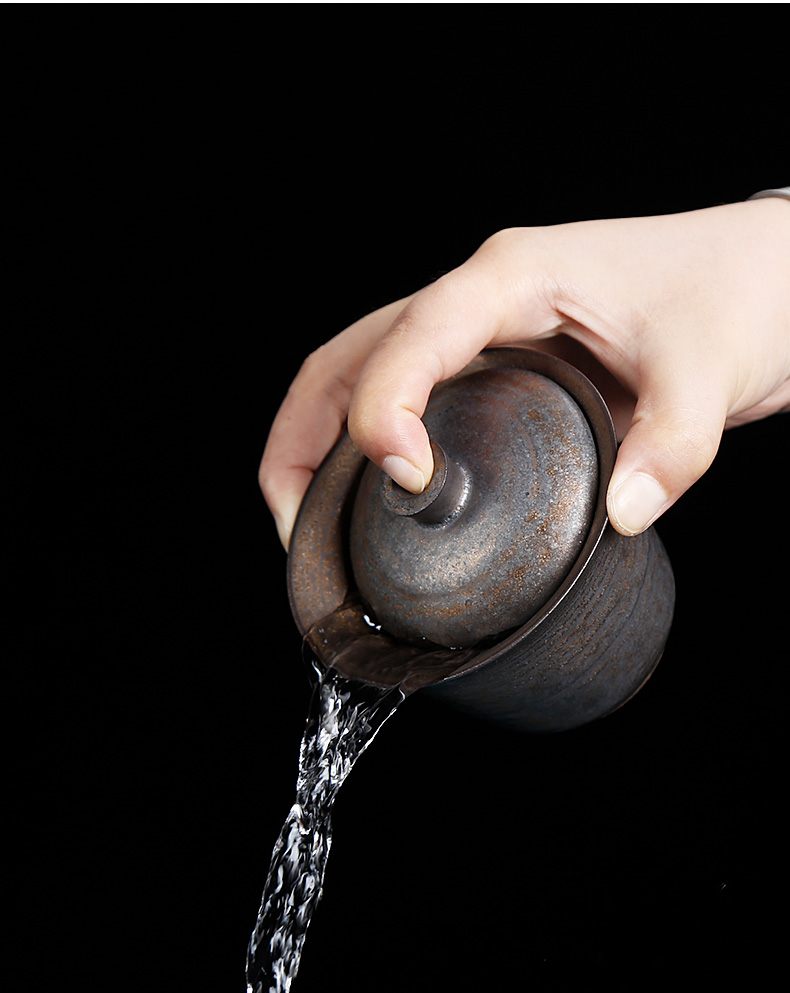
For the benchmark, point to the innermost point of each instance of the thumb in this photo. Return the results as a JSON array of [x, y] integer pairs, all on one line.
[[672, 441]]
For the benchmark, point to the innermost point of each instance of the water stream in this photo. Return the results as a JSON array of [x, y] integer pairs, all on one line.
[[343, 719], [346, 711]]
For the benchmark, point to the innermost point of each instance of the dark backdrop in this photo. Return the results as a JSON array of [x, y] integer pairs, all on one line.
[[201, 217]]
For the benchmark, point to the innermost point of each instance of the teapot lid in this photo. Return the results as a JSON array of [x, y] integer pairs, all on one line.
[[502, 521]]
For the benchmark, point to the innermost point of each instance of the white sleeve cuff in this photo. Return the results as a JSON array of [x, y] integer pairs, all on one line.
[[781, 191]]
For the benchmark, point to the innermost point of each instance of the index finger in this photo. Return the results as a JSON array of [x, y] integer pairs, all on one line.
[[440, 331], [313, 415]]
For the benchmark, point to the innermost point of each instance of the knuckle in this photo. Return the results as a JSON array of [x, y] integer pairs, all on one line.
[[311, 367], [321, 376], [690, 446], [503, 243], [268, 474], [407, 323], [364, 424], [265, 476], [505, 238]]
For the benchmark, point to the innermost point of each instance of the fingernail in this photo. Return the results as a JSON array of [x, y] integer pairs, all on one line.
[[404, 473], [636, 503], [285, 518], [283, 532]]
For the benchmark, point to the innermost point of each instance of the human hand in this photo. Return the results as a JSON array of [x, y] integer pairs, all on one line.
[[682, 320]]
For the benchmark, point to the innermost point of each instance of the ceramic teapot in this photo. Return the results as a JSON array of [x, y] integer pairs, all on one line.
[[502, 588]]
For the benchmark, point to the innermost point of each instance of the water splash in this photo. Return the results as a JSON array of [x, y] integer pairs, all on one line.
[[343, 719]]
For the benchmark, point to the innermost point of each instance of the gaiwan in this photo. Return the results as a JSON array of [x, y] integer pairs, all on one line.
[[502, 588]]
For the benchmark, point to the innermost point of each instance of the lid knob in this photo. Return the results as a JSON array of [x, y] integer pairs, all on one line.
[[443, 498]]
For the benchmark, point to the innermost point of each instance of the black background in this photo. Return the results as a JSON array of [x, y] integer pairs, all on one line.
[[200, 213]]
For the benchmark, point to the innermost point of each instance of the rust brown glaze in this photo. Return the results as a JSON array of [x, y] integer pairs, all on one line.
[[581, 652], [527, 473]]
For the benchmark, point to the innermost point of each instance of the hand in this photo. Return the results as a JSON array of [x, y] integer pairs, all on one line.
[[683, 322]]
